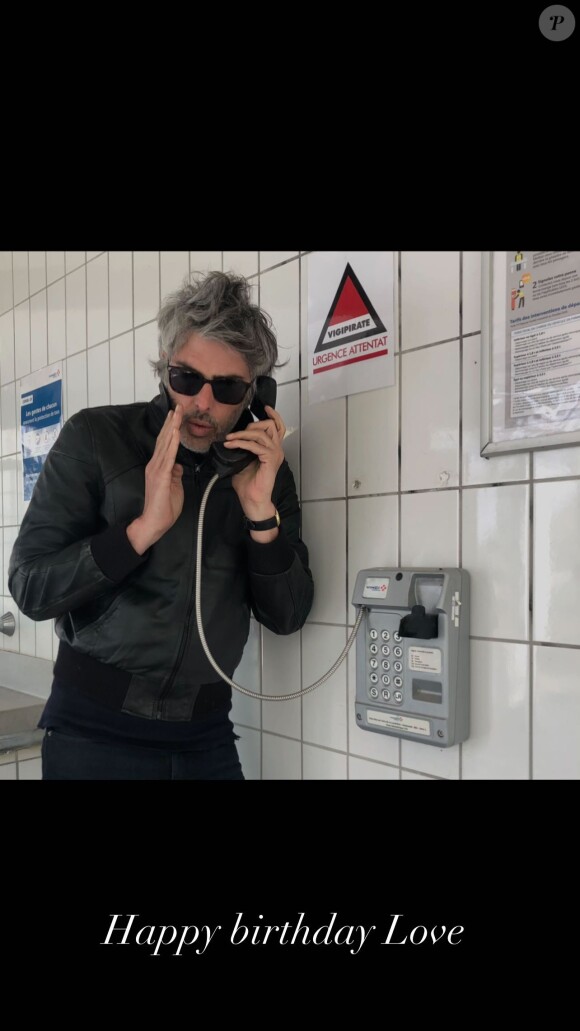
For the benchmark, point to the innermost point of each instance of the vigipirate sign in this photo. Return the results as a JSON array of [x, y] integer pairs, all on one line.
[[350, 322]]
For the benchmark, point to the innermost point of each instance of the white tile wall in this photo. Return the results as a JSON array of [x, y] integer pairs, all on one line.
[[30, 769], [174, 270], [372, 537], [363, 769], [495, 551], [245, 710], [429, 297], [33, 752], [36, 270], [22, 339], [557, 562], [288, 404], [98, 375], [44, 638], [8, 536], [146, 348], [323, 449], [324, 528], [121, 359], [243, 263], [498, 747], [269, 258], [430, 529], [471, 292], [27, 634], [7, 347], [205, 261], [6, 282], [279, 293], [20, 272], [564, 461], [439, 503], [281, 758], [120, 292], [439, 762], [430, 418], [54, 266], [98, 300], [250, 752], [9, 491], [56, 312], [76, 383], [281, 675], [76, 311], [74, 259], [303, 275], [475, 468], [373, 440], [254, 290], [145, 285], [22, 504], [556, 719], [8, 409], [38, 331], [324, 715], [321, 764]]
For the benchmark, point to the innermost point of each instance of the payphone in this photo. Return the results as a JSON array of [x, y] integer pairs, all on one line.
[[412, 654]]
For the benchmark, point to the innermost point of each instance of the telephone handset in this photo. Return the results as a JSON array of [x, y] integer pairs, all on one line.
[[228, 461]]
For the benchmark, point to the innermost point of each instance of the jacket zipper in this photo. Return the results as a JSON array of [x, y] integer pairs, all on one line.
[[190, 607]]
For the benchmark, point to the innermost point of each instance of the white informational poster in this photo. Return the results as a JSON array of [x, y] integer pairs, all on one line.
[[351, 323], [545, 368], [41, 420], [531, 350]]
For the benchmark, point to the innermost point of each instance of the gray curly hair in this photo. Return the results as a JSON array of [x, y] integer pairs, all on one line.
[[218, 306]]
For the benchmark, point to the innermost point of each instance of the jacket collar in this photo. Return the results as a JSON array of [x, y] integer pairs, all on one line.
[[158, 409]]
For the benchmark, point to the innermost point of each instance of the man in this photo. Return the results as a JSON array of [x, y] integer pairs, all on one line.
[[108, 547]]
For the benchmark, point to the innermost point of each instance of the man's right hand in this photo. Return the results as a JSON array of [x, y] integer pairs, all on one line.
[[163, 488]]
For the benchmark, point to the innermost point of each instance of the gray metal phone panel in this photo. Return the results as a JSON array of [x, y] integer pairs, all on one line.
[[413, 687]]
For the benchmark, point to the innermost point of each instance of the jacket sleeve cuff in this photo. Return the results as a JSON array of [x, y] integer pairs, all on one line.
[[113, 553], [272, 558]]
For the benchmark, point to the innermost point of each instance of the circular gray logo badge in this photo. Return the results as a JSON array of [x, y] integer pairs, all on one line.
[[557, 22]]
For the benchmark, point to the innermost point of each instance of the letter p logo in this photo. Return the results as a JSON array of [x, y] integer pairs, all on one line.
[[557, 22]]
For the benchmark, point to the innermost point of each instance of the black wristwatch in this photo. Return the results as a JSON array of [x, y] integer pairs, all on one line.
[[264, 524]]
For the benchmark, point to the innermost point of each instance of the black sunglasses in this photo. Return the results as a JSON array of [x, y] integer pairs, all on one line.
[[226, 389]]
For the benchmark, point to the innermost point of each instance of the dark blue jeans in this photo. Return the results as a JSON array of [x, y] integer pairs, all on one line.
[[67, 756]]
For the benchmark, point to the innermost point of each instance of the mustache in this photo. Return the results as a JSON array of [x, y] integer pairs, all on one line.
[[197, 417], [206, 420]]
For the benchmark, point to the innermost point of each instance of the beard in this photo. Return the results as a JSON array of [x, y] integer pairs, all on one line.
[[219, 430]]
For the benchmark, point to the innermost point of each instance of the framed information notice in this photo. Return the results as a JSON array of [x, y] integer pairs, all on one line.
[[530, 350], [41, 420]]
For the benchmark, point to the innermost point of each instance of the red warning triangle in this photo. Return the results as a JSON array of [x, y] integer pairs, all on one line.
[[351, 316], [349, 304]]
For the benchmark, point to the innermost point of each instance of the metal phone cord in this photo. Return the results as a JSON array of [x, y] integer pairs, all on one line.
[[238, 687]]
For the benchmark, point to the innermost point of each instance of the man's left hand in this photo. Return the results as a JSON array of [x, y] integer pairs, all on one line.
[[255, 483]]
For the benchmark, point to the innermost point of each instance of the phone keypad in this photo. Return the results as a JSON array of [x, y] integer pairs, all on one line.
[[391, 689]]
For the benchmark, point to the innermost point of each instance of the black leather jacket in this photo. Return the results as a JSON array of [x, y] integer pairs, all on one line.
[[72, 560]]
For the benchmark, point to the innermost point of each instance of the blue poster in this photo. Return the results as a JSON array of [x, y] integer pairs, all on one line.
[[40, 420]]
